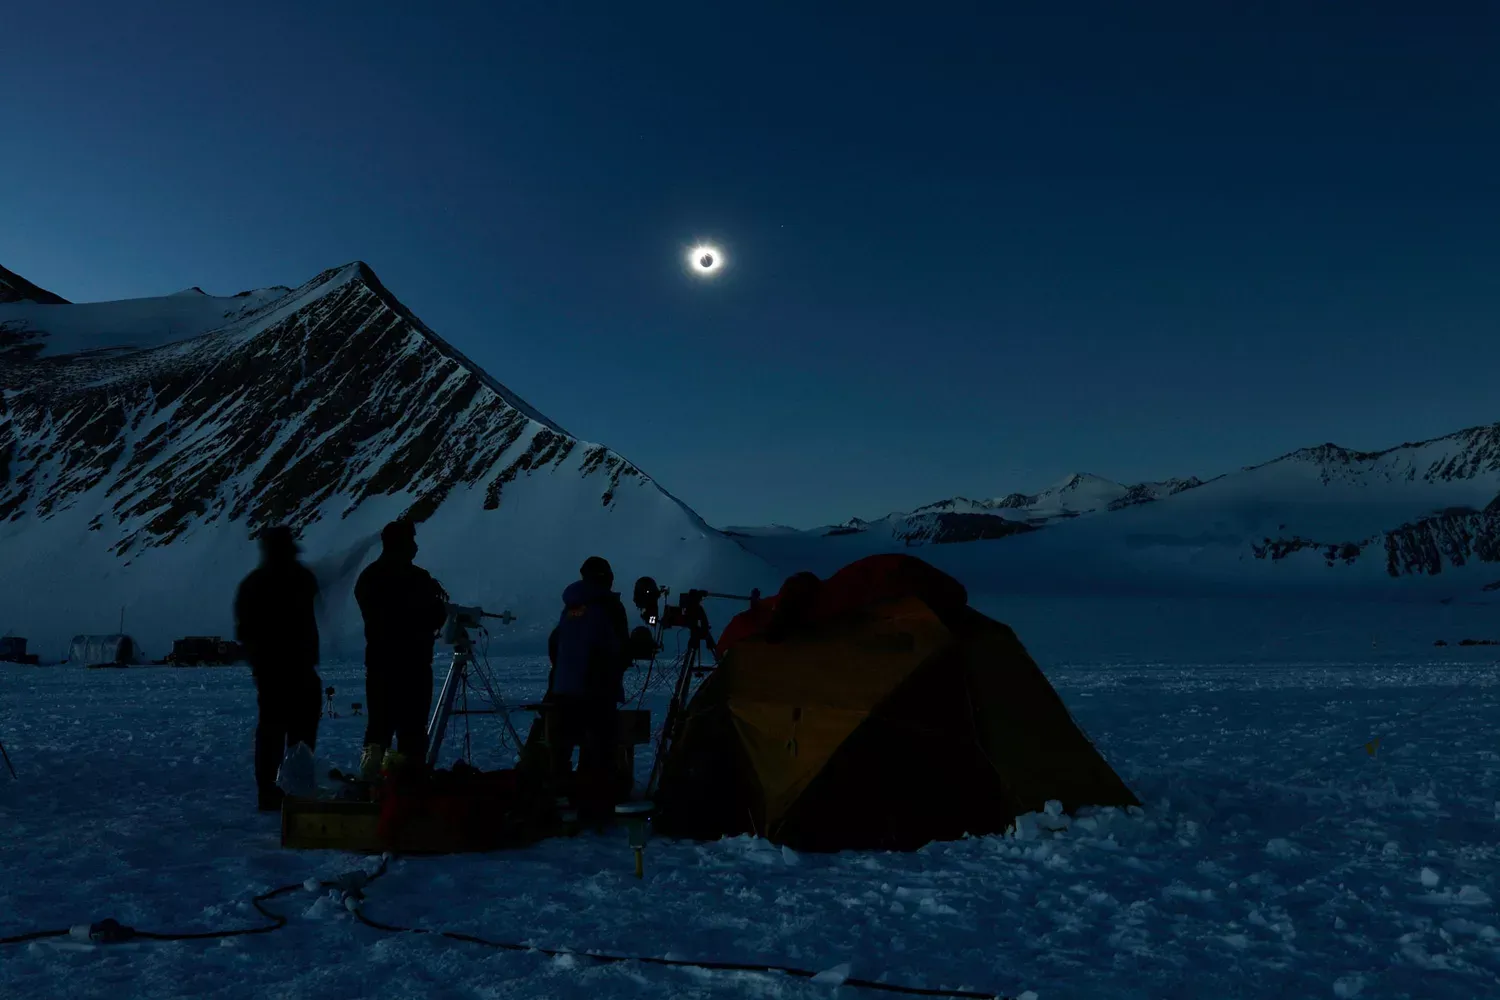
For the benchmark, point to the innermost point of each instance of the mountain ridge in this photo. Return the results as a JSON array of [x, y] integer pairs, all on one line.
[[1481, 441], [329, 407], [14, 288], [1320, 516]]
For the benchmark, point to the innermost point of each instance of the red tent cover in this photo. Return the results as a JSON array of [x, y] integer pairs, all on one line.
[[867, 581]]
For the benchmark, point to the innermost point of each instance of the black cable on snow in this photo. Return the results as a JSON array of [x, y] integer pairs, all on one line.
[[712, 966], [33, 936], [111, 931]]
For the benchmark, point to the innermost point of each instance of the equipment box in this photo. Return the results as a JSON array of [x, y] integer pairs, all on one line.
[[315, 824]]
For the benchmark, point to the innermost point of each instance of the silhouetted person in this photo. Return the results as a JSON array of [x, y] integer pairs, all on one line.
[[589, 650], [403, 608], [274, 618]]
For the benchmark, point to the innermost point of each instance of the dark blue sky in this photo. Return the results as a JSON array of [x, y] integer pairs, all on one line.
[[970, 253]]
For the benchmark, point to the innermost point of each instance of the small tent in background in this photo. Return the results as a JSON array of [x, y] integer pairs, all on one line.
[[103, 650], [875, 709]]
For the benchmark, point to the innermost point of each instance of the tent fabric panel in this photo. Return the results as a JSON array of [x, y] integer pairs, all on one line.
[[853, 663], [1026, 730], [911, 774], [787, 745], [872, 580], [708, 788]]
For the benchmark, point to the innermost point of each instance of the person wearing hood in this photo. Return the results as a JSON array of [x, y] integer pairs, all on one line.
[[589, 650], [275, 619], [403, 607]]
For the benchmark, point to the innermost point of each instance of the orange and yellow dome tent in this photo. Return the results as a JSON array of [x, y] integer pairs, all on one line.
[[874, 709]]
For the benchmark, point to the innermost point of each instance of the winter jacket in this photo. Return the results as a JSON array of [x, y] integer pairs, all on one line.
[[403, 608], [275, 619], [589, 646]]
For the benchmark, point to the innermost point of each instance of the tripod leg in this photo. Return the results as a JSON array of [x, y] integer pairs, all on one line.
[[8, 765], [441, 712], [674, 709]]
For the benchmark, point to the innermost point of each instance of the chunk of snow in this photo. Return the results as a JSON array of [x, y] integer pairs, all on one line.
[[1280, 847], [1348, 986], [1472, 895], [790, 856], [1430, 878], [835, 976]]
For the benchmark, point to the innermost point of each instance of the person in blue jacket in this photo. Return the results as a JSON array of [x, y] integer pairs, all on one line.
[[589, 650]]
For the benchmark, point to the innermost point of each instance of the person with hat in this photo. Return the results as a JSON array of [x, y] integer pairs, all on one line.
[[589, 650], [403, 609], [275, 620]]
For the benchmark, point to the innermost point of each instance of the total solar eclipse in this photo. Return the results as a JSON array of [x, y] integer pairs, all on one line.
[[705, 260]]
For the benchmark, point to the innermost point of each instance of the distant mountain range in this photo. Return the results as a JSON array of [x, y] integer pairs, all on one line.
[[1420, 509], [963, 520]]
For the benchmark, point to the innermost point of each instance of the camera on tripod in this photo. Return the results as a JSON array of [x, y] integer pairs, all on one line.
[[686, 613], [463, 619]]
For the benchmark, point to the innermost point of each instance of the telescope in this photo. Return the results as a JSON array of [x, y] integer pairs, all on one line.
[[462, 618], [687, 613]]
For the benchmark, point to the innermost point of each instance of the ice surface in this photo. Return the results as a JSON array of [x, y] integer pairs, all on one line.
[[136, 801]]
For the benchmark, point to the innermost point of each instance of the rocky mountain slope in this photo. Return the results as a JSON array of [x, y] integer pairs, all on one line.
[[14, 288], [143, 442]]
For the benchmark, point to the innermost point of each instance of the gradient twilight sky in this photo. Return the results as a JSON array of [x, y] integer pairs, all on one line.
[[970, 253]]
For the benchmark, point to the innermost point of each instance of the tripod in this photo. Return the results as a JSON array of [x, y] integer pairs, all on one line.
[[8, 765], [461, 620], [690, 666]]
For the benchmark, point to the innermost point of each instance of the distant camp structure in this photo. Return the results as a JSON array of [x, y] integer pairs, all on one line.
[[205, 651], [117, 650], [13, 650], [874, 710]]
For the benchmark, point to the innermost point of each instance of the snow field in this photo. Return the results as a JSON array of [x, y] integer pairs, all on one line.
[[1274, 857]]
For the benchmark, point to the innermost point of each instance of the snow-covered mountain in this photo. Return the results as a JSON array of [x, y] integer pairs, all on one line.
[[14, 288], [1322, 516], [141, 443], [963, 520]]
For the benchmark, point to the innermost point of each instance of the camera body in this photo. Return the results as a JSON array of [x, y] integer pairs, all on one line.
[[464, 617], [687, 612]]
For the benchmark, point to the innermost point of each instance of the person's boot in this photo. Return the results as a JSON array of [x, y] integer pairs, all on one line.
[[394, 763], [370, 761]]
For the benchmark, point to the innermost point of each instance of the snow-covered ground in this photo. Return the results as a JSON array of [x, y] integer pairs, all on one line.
[[1275, 857]]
